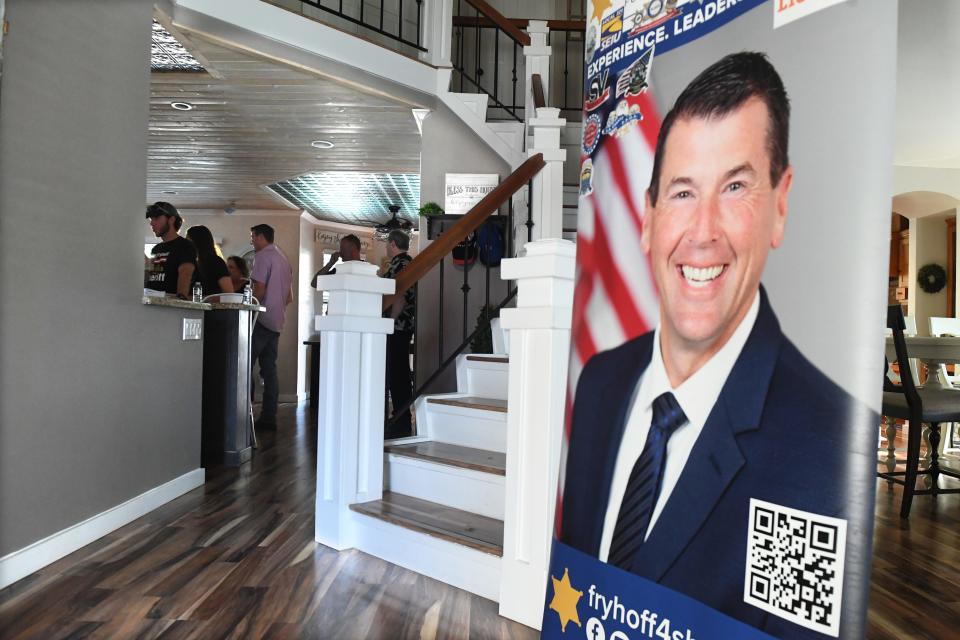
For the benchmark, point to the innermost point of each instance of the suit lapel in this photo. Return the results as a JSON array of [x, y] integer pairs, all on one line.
[[614, 406], [716, 458]]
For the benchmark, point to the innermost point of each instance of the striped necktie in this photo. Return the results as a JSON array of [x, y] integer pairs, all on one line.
[[643, 487]]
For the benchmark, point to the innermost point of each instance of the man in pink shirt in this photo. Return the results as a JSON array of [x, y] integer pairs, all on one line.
[[272, 280]]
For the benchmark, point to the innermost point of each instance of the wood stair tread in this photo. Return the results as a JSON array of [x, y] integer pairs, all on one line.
[[472, 402], [454, 455], [453, 525], [481, 358]]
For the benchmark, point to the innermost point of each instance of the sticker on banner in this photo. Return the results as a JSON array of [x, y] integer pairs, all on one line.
[[586, 177], [633, 80], [611, 25], [622, 119], [591, 133], [794, 567], [786, 11], [643, 15], [598, 91], [591, 37]]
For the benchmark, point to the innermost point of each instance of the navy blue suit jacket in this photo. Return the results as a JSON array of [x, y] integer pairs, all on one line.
[[777, 433]]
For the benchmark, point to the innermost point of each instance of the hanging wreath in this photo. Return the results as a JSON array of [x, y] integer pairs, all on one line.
[[932, 278]]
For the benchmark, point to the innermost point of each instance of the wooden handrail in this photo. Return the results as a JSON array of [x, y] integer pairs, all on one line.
[[501, 21], [521, 23], [470, 222], [538, 99]]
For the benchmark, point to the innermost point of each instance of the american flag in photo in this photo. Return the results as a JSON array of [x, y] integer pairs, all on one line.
[[615, 297]]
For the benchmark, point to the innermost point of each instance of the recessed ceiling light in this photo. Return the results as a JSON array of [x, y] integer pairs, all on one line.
[[169, 193], [322, 144], [181, 106]]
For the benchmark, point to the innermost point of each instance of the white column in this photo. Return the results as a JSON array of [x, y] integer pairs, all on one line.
[[539, 352], [547, 196], [353, 351], [436, 32], [536, 59]]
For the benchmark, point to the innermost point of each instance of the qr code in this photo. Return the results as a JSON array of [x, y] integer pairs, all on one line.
[[795, 565]]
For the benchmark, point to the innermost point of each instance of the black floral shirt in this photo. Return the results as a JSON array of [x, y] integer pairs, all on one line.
[[406, 319]]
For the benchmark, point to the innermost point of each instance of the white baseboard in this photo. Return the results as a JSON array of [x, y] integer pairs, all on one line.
[[23, 562]]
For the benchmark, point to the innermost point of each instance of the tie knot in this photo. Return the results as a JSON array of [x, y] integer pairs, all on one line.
[[667, 414]]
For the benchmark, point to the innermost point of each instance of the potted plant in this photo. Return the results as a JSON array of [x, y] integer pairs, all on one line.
[[431, 209]]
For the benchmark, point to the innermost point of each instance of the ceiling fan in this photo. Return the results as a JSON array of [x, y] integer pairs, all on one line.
[[394, 223]]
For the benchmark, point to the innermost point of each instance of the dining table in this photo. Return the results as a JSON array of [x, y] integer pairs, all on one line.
[[932, 351]]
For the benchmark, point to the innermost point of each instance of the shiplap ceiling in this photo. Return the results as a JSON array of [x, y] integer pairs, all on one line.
[[252, 126]]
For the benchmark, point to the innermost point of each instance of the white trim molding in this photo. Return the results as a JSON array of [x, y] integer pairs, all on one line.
[[21, 563]]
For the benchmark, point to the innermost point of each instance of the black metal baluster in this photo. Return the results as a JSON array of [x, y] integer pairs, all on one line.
[[513, 99], [477, 68], [440, 323], [530, 211], [400, 20], [466, 292], [496, 64], [419, 6], [566, 66], [361, 11], [510, 252], [381, 15]]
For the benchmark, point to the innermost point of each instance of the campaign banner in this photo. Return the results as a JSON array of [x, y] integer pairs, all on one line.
[[718, 469]]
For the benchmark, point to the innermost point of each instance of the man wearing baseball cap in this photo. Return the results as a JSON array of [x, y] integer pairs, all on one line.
[[172, 261]]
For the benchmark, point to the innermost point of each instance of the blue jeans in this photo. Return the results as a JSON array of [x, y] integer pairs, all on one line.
[[263, 347]]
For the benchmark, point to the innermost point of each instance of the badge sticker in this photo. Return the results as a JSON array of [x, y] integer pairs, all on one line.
[[598, 92], [591, 133], [590, 44], [586, 177], [612, 24], [634, 78], [622, 119]]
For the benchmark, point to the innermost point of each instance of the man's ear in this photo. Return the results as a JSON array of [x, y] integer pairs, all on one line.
[[782, 197], [645, 226]]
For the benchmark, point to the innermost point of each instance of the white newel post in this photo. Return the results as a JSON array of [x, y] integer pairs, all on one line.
[[353, 351], [536, 59], [436, 32], [539, 351], [547, 196]]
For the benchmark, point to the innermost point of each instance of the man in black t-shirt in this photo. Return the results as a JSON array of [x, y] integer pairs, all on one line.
[[174, 260]]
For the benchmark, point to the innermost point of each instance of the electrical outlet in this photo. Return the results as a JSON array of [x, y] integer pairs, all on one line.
[[192, 328]]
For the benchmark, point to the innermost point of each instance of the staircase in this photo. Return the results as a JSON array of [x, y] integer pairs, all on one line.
[[443, 502]]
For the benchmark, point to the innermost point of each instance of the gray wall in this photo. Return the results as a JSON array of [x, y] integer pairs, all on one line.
[[449, 146], [99, 399]]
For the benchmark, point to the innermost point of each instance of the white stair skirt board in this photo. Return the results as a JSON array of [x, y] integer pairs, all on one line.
[[510, 131], [481, 378], [477, 102], [501, 338], [454, 101], [448, 562], [464, 489], [34, 557], [466, 426]]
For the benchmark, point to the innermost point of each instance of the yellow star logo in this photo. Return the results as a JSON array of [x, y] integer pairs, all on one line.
[[599, 6], [565, 599]]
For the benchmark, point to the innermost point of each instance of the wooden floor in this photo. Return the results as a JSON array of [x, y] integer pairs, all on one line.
[[236, 559]]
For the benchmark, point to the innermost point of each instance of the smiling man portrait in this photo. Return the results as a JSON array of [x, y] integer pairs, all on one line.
[[673, 433]]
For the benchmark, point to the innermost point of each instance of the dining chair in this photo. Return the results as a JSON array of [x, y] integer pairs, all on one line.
[[947, 327], [918, 405]]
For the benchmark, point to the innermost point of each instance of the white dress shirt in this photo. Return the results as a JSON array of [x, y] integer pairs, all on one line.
[[696, 396]]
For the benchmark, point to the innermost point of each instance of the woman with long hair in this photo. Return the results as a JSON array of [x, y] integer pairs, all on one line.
[[239, 273], [212, 270]]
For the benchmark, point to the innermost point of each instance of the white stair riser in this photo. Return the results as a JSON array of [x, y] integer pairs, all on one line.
[[483, 379], [454, 564], [464, 489], [467, 427]]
